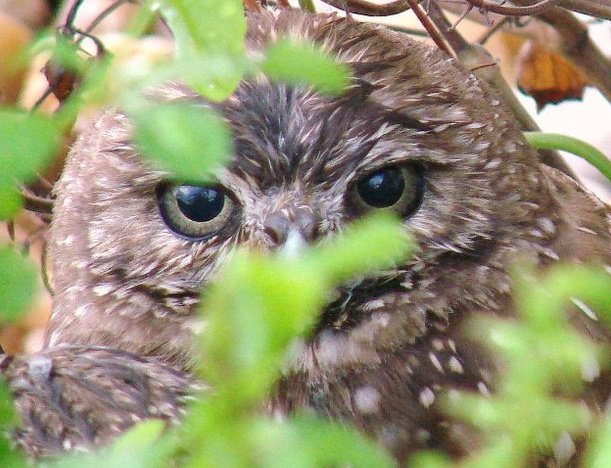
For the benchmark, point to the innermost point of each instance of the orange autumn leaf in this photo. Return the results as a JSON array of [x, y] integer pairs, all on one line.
[[547, 76]]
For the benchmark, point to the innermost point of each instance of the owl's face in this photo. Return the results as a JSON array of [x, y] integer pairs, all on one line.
[[414, 135]]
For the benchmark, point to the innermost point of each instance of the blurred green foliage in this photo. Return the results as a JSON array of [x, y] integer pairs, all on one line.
[[304, 63], [184, 139], [545, 361], [204, 28], [249, 330], [27, 144]]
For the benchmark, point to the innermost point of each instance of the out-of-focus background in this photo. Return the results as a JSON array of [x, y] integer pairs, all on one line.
[[522, 53]]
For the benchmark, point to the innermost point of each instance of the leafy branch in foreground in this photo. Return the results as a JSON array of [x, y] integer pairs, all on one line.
[[252, 316], [545, 363]]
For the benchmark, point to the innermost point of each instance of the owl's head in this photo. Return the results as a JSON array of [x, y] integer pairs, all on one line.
[[414, 134]]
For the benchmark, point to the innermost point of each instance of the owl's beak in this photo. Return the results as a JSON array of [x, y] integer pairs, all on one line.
[[294, 244], [290, 231]]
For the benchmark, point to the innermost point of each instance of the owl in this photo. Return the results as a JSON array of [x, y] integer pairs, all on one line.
[[415, 134], [75, 397]]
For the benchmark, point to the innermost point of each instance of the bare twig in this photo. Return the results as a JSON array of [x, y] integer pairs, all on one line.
[[74, 8], [451, 35], [410, 31], [44, 269], [491, 31], [595, 8], [107, 11], [41, 206], [431, 28], [462, 16], [477, 59], [363, 7], [569, 36], [505, 10], [598, 9], [10, 228]]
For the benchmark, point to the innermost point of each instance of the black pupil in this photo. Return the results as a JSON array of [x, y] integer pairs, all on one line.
[[383, 188], [199, 204]]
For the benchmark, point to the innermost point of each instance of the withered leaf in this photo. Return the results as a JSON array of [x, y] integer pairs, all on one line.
[[547, 76]]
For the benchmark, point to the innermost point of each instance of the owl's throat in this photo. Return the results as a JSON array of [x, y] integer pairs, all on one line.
[[347, 311]]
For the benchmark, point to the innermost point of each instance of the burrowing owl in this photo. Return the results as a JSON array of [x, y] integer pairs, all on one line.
[[74, 397], [414, 134]]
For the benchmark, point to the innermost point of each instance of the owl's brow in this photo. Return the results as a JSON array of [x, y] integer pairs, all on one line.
[[392, 116], [361, 90]]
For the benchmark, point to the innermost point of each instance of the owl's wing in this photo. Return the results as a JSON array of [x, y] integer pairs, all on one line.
[[586, 221], [81, 396]]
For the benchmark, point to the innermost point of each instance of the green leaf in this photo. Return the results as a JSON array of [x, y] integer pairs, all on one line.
[[214, 76], [204, 28], [17, 284], [599, 454], [8, 456], [142, 446], [307, 5], [141, 435], [305, 63], [27, 143], [185, 139], [260, 304], [10, 201], [252, 314], [305, 441], [543, 358], [381, 237], [429, 459]]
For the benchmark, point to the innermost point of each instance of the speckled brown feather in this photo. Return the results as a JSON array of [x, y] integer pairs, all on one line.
[[386, 348], [76, 397]]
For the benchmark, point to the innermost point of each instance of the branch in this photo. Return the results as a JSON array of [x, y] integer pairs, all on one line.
[[477, 59], [525, 10], [600, 9], [570, 38], [363, 7], [438, 37]]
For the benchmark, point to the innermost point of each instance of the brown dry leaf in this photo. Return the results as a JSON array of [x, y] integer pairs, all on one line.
[[252, 5], [547, 76]]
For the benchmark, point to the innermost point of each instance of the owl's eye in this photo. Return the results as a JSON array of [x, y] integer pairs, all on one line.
[[398, 188], [194, 211]]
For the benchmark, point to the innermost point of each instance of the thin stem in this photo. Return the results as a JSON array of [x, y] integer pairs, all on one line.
[[362, 7], [575, 146], [599, 9], [491, 31], [44, 270], [107, 11], [33, 202], [438, 37], [71, 16], [513, 10], [477, 59], [409, 31]]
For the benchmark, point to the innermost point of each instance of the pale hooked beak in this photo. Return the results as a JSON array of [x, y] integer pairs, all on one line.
[[295, 244], [290, 231]]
